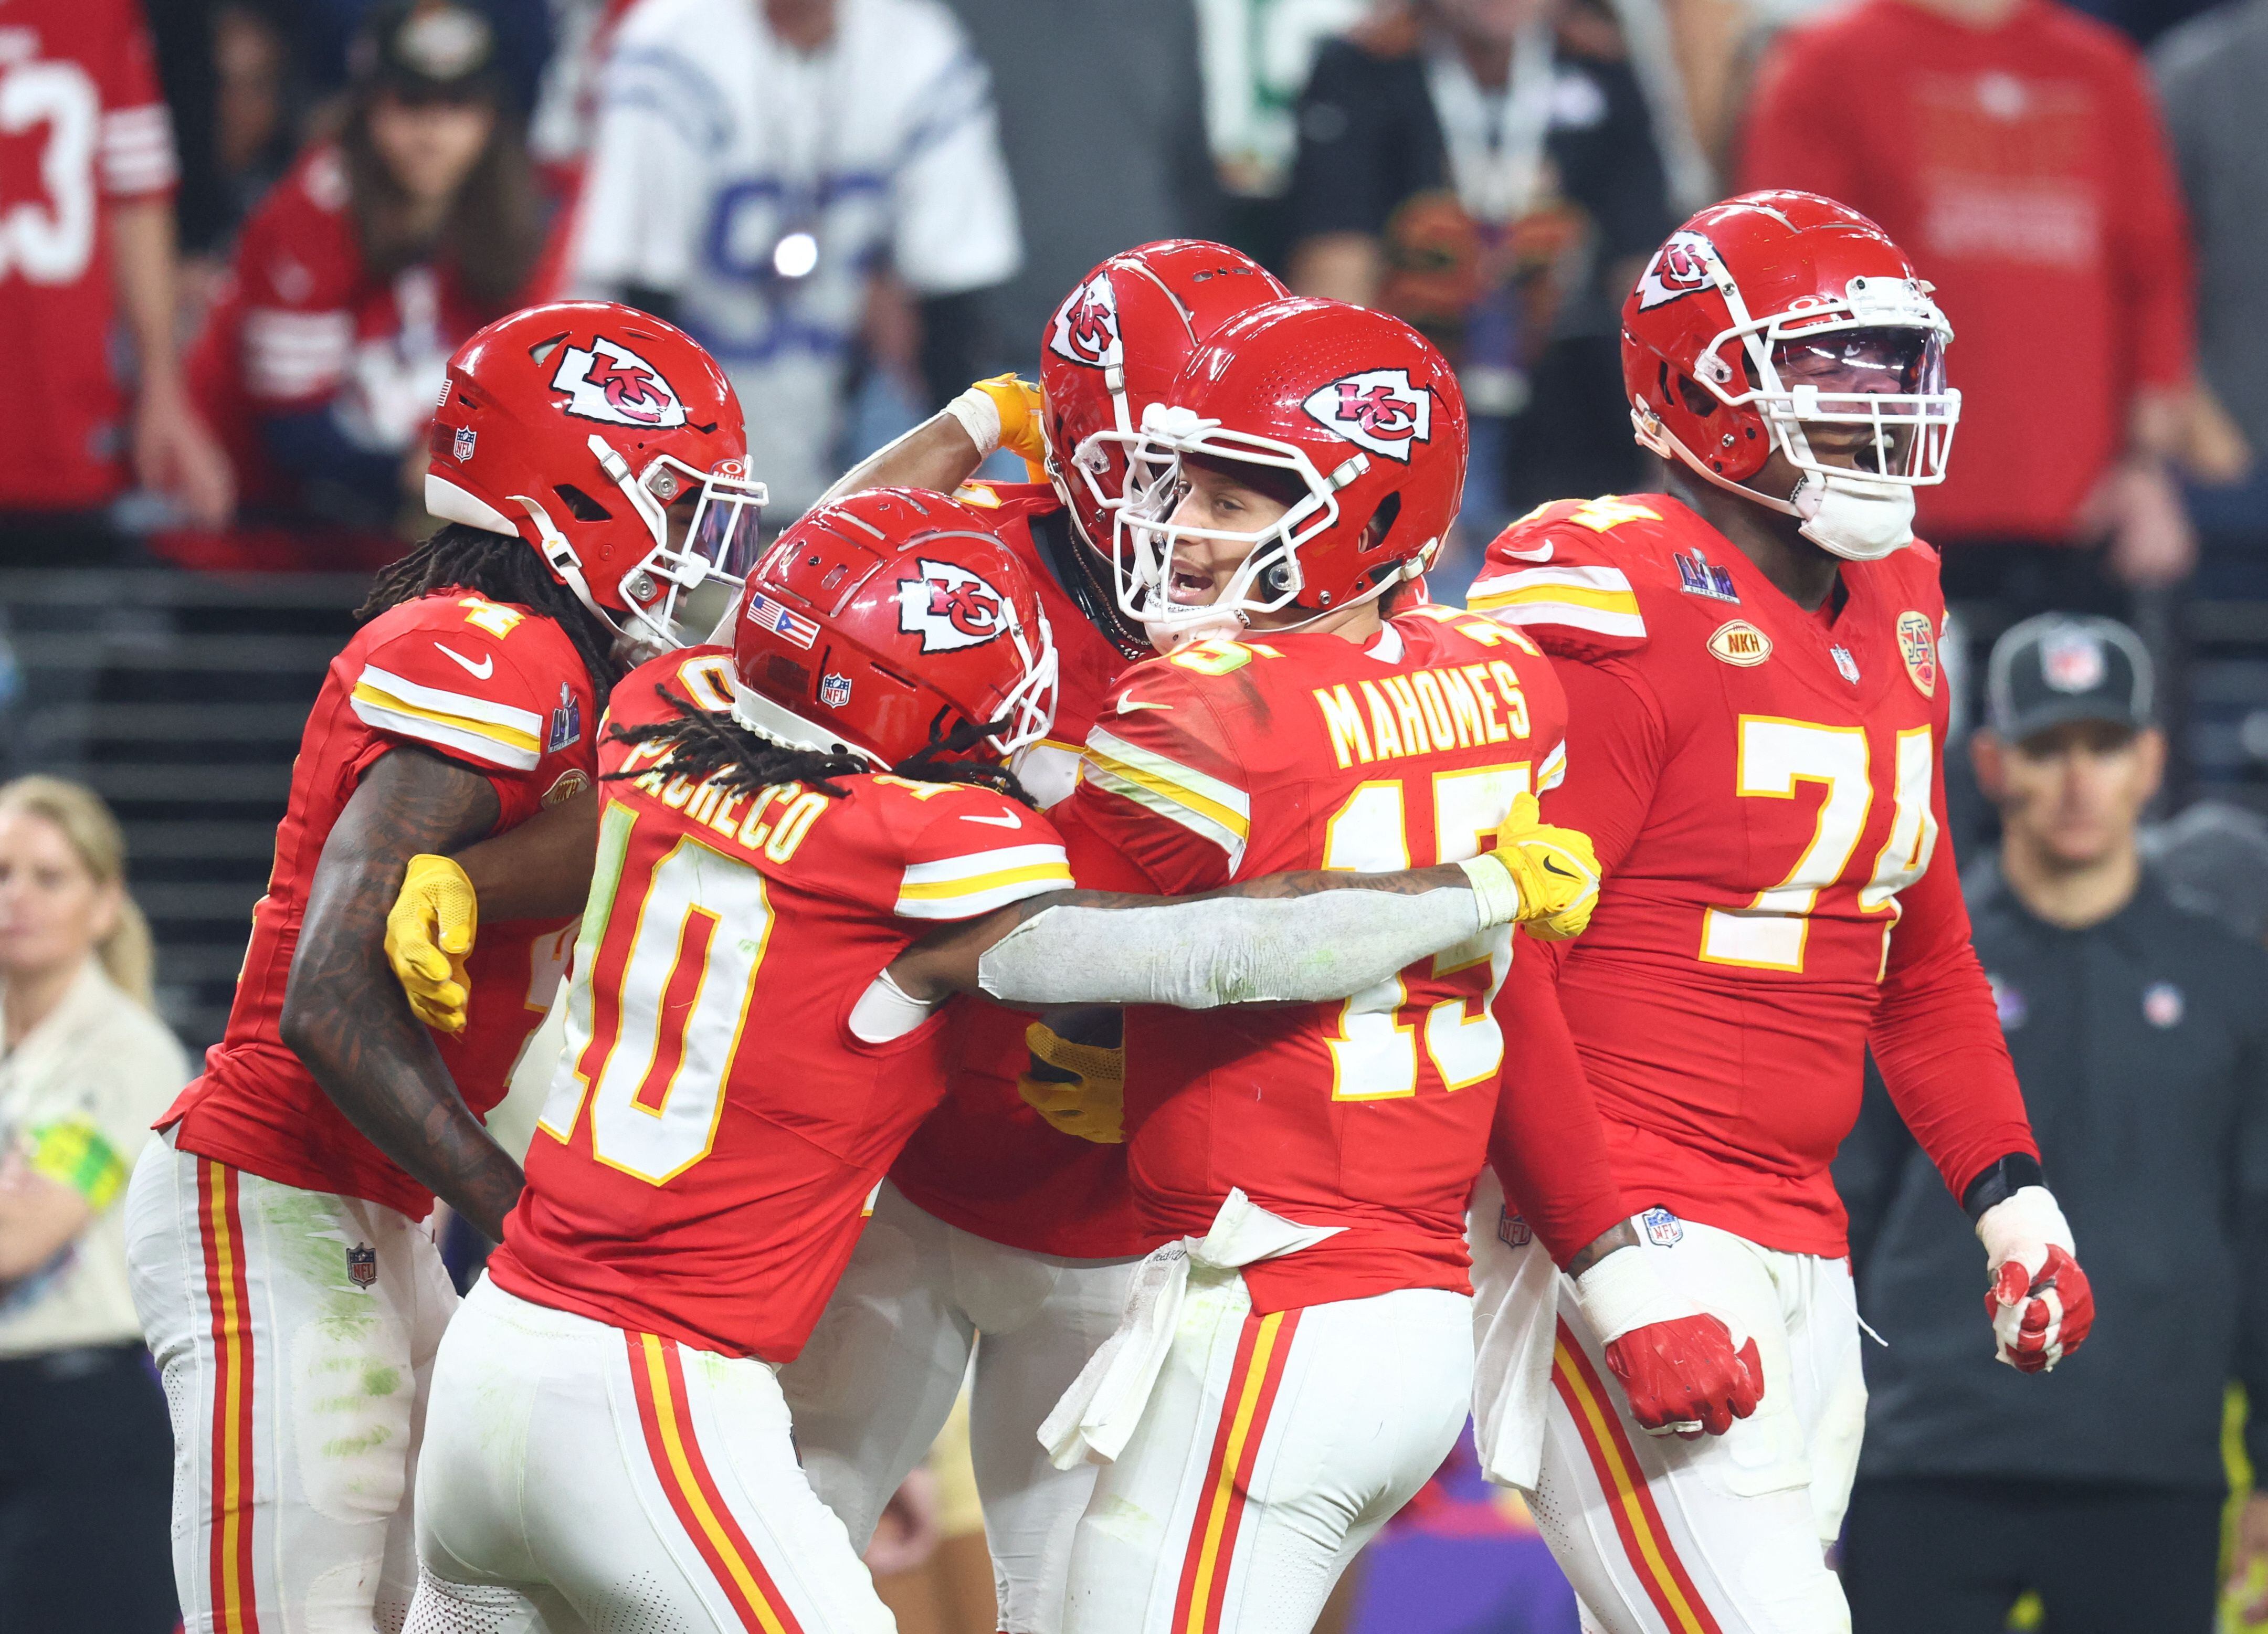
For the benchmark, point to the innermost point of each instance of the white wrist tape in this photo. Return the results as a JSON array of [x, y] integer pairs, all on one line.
[[1623, 1292], [1226, 950], [2021, 1225], [885, 1011], [1494, 887], [980, 417]]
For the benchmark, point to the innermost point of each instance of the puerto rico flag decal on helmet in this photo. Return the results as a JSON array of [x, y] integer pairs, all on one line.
[[1378, 409], [950, 608], [1679, 268], [1086, 329], [612, 383]]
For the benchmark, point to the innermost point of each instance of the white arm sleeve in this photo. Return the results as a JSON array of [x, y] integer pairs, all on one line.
[[1224, 950], [646, 195]]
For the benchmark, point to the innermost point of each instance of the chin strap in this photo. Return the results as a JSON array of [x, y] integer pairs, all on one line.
[[1855, 517]]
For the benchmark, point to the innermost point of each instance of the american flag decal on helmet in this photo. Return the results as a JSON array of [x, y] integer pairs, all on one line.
[[782, 621]]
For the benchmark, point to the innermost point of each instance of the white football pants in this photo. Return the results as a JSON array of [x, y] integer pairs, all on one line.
[[1270, 1450], [876, 1382], [1723, 1534], [295, 1332], [580, 1477]]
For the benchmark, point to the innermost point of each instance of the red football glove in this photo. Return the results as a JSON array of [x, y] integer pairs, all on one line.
[[1676, 1362], [2039, 1301]]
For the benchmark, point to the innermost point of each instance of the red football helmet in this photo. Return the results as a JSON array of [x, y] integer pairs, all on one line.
[[1116, 344], [1773, 312], [1356, 405], [558, 420], [884, 620]]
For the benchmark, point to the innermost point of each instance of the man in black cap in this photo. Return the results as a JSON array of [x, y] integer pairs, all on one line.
[[2139, 1029]]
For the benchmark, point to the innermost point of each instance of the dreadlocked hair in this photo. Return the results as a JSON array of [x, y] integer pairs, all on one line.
[[502, 566], [709, 746]]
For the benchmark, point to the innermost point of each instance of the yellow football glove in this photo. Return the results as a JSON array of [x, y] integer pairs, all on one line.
[[429, 931], [1555, 868], [1092, 1104], [1023, 421]]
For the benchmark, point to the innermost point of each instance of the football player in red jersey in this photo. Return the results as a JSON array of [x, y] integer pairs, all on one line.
[[588, 461], [1758, 716], [1298, 1360], [1020, 1241], [607, 1430]]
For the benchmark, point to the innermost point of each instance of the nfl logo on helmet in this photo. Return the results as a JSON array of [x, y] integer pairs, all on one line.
[[835, 691]]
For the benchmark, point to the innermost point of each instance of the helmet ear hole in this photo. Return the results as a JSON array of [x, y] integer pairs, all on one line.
[[1381, 521], [1698, 399], [583, 508]]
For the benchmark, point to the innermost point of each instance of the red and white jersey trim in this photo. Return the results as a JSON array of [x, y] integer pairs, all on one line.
[[138, 151], [1214, 811], [485, 729], [1597, 599], [292, 355], [963, 887]]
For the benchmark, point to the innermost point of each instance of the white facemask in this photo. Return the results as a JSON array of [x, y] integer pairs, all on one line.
[[1171, 638], [1855, 517]]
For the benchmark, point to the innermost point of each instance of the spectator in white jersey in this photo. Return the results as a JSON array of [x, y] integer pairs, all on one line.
[[758, 164]]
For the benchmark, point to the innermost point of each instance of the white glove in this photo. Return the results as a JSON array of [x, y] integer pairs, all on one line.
[[2039, 1300]]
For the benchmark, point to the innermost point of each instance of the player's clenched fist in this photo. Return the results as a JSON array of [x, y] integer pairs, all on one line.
[[2039, 1300], [1006, 412], [429, 931], [1085, 1092], [1554, 869], [1675, 1361]]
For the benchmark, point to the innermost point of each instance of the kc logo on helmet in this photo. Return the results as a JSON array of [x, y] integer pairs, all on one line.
[[950, 608], [612, 383], [1680, 267], [1085, 328], [1378, 409]]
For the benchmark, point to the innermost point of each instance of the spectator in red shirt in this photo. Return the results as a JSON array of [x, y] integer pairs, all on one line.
[[2015, 148], [86, 237], [378, 253]]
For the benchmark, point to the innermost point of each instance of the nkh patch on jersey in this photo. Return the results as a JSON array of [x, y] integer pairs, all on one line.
[[1378, 409], [1085, 328], [1679, 268], [950, 608], [612, 383]]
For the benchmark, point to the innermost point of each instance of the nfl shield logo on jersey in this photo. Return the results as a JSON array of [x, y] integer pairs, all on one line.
[[612, 383], [1918, 646], [463, 446], [1086, 329], [950, 608], [1846, 666], [835, 691], [362, 1265], [1663, 1229], [1378, 409]]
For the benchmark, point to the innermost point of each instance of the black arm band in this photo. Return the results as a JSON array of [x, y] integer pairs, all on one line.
[[1999, 1182]]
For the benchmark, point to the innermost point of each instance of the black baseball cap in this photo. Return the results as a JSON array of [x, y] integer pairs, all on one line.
[[428, 50], [2059, 667]]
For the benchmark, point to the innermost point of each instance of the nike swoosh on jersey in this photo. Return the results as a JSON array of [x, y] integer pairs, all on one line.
[[1009, 820], [1127, 706], [481, 671]]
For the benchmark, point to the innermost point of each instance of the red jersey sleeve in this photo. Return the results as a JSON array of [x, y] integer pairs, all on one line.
[[1161, 783], [2149, 236], [491, 686], [297, 270], [975, 852], [136, 135], [1936, 1034], [1548, 1144]]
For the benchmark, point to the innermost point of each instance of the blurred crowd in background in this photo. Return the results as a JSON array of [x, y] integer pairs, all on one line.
[[239, 239]]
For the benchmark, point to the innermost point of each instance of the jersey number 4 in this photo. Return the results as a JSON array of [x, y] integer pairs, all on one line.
[[1375, 1042], [1777, 755]]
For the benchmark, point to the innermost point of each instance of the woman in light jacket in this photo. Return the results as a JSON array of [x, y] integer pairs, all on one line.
[[85, 1447]]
